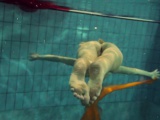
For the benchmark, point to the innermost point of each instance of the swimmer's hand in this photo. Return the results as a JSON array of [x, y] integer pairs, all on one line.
[[155, 74], [33, 56]]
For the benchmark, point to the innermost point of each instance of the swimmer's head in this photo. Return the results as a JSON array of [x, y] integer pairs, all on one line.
[[101, 41]]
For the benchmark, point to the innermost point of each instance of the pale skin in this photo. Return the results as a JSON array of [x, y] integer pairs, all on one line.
[[95, 59]]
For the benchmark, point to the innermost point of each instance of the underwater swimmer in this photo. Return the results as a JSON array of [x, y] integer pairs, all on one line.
[[95, 59]]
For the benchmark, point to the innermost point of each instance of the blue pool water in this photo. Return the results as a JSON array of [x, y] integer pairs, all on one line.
[[39, 90]]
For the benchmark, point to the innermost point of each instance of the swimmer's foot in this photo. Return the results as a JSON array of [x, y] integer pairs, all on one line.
[[95, 81], [33, 56], [77, 81], [80, 90], [95, 87]]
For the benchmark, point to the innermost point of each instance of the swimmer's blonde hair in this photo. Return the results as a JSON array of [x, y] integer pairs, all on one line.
[[101, 41]]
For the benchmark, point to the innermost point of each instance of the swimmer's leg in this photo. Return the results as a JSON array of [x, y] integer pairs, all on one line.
[[97, 72], [53, 58], [109, 60], [128, 70], [87, 53]]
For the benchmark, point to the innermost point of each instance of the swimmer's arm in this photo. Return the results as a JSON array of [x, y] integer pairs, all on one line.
[[70, 61], [128, 70], [54, 58]]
